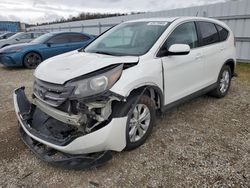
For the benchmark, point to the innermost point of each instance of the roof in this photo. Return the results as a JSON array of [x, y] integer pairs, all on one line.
[[64, 32], [170, 19]]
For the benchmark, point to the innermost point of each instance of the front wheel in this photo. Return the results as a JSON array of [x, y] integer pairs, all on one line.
[[31, 60], [223, 82], [141, 118]]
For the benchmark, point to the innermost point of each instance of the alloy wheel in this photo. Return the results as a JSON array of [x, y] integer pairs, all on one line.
[[139, 122]]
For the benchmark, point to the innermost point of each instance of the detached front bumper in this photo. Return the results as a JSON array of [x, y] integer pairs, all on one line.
[[84, 151]]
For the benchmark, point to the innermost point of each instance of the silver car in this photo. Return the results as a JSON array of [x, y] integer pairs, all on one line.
[[20, 37]]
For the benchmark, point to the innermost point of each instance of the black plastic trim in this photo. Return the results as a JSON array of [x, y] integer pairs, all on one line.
[[26, 109], [139, 92], [69, 161], [189, 97], [228, 61]]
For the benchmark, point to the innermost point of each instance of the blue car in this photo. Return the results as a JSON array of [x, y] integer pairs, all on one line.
[[48, 45]]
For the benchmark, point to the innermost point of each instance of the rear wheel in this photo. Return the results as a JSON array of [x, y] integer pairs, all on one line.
[[32, 60], [223, 82]]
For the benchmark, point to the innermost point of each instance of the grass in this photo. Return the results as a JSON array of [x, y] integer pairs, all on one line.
[[243, 71]]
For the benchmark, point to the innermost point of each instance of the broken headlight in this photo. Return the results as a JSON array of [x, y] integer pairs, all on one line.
[[96, 84]]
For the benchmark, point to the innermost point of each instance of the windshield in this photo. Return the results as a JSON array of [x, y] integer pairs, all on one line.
[[135, 39], [42, 38]]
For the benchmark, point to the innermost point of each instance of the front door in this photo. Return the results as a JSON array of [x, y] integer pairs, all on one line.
[[56, 45], [183, 74]]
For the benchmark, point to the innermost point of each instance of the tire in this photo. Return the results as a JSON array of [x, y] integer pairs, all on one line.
[[31, 60], [145, 127], [223, 83]]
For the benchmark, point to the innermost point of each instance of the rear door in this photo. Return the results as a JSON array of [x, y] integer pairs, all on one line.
[[77, 40], [212, 50], [183, 74]]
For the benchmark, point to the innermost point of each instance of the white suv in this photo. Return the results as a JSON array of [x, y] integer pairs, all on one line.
[[89, 102]]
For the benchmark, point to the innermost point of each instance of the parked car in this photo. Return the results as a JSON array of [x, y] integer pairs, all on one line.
[[89, 102], [48, 45], [6, 35], [20, 37]]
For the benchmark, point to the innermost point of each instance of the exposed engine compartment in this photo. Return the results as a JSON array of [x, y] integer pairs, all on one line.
[[73, 118]]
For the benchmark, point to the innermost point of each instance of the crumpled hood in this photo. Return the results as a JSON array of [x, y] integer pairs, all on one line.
[[62, 68]]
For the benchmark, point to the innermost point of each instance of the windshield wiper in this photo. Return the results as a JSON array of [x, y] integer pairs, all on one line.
[[81, 50], [102, 52]]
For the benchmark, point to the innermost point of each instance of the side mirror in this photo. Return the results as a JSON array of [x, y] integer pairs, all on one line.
[[49, 44], [179, 49]]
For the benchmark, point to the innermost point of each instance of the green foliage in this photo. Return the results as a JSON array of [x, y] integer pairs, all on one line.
[[243, 71], [82, 16]]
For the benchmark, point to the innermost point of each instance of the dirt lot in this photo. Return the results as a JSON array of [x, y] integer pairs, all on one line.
[[203, 143]]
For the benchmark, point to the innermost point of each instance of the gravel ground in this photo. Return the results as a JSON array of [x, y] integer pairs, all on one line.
[[203, 143]]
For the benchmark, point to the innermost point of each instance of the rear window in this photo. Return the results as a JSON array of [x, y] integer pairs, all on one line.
[[77, 37], [60, 39], [25, 36], [209, 33], [35, 35], [222, 32]]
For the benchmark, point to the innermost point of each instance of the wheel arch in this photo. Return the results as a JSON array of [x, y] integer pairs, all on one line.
[[232, 64], [154, 92]]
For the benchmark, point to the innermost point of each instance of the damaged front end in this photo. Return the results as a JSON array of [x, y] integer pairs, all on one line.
[[69, 130]]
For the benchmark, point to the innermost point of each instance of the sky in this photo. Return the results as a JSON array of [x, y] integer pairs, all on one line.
[[39, 11]]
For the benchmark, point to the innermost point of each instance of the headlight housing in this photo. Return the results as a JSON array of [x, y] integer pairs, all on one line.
[[96, 84]]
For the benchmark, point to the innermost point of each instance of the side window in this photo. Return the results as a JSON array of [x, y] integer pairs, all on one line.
[[35, 35], [59, 39], [222, 32], [209, 33], [78, 38], [183, 34], [25, 36]]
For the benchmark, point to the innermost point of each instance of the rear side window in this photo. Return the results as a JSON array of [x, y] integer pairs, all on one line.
[[25, 36], [209, 34], [183, 34], [222, 32], [77, 37], [59, 39], [35, 35]]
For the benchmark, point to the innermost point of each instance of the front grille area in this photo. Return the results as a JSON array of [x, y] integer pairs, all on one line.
[[52, 94]]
